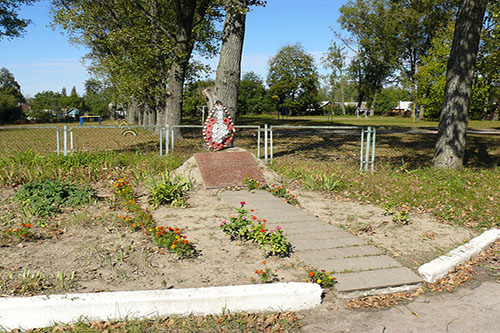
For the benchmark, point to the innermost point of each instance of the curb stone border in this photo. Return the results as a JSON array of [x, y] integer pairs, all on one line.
[[440, 266], [43, 311]]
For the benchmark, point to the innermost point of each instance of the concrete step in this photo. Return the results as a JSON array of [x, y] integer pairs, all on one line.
[[314, 235], [376, 279], [339, 253], [306, 244], [297, 229], [356, 264]]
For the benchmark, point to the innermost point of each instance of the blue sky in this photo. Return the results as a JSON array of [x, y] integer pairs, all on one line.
[[44, 59]]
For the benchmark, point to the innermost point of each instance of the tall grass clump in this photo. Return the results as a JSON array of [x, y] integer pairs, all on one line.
[[465, 197], [27, 166]]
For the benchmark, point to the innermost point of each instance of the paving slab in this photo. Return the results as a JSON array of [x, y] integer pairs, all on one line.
[[327, 243], [356, 264], [338, 253], [325, 246], [315, 235], [376, 279], [296, 229]]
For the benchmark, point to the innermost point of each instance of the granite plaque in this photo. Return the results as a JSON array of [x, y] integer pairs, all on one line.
[[224, 169]]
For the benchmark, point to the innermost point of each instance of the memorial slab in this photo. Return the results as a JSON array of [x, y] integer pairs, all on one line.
[[227, 169]]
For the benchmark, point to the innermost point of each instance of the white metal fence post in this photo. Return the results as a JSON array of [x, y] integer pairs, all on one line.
[[368, 144], [258, 142], [58, 145], [65, 140], [71, 139], [373, 151], [167, 139], [161, 141], [265, 143], [271, 143]]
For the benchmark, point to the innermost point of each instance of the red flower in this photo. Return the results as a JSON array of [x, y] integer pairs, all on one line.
[[311, 274], [230, 127], [262, 230], [227, 120], [243, 203], [254, 217]]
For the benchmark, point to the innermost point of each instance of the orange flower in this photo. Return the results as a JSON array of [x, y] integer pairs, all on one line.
[[264, 262], [261, 272], [311, 274], [186, 242]]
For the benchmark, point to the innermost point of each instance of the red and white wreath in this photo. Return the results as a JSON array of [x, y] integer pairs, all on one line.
[[219, 128]]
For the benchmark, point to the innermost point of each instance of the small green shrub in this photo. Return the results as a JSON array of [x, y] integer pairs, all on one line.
[[46, 197], [170, 190], [249, 227]]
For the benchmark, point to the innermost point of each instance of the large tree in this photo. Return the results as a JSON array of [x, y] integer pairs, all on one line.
[[10, 97], [252, 96], [450, 145], [391, 38], [11, 25], [293, 78], [228, 74], [143, 47], [335, 59]]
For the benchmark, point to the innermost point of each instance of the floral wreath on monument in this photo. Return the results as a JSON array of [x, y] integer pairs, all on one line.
[[218, 130]]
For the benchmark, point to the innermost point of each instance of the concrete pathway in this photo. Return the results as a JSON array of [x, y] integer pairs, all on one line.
[[360, 268]]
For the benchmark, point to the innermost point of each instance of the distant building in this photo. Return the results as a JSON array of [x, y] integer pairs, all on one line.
[[73, 113], [403, 108]]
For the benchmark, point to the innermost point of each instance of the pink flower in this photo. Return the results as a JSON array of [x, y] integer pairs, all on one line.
[[222, 222], [212, 120], [278, 228], [226, 120], [209, 126]]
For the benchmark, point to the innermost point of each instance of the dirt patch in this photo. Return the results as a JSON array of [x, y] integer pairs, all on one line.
[[89, 249], [422, 240]]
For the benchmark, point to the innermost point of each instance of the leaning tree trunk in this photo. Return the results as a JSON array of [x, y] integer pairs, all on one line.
[[227, 80], [450, 145]]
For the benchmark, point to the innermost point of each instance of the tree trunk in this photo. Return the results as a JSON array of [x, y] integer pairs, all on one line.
[[132, 113], [174, 100], [342, 100], [372, 107], [496, 113], [450, 145], [227, 81]]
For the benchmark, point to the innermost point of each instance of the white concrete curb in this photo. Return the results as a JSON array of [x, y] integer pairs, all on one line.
[[439, 267], [43, 311]]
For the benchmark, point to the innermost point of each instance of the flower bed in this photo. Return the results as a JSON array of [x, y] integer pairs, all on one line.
[[246, 226], [167, 237]]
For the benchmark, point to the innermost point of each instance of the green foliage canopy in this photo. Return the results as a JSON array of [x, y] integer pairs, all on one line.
[[293, 78], [11, 97]]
